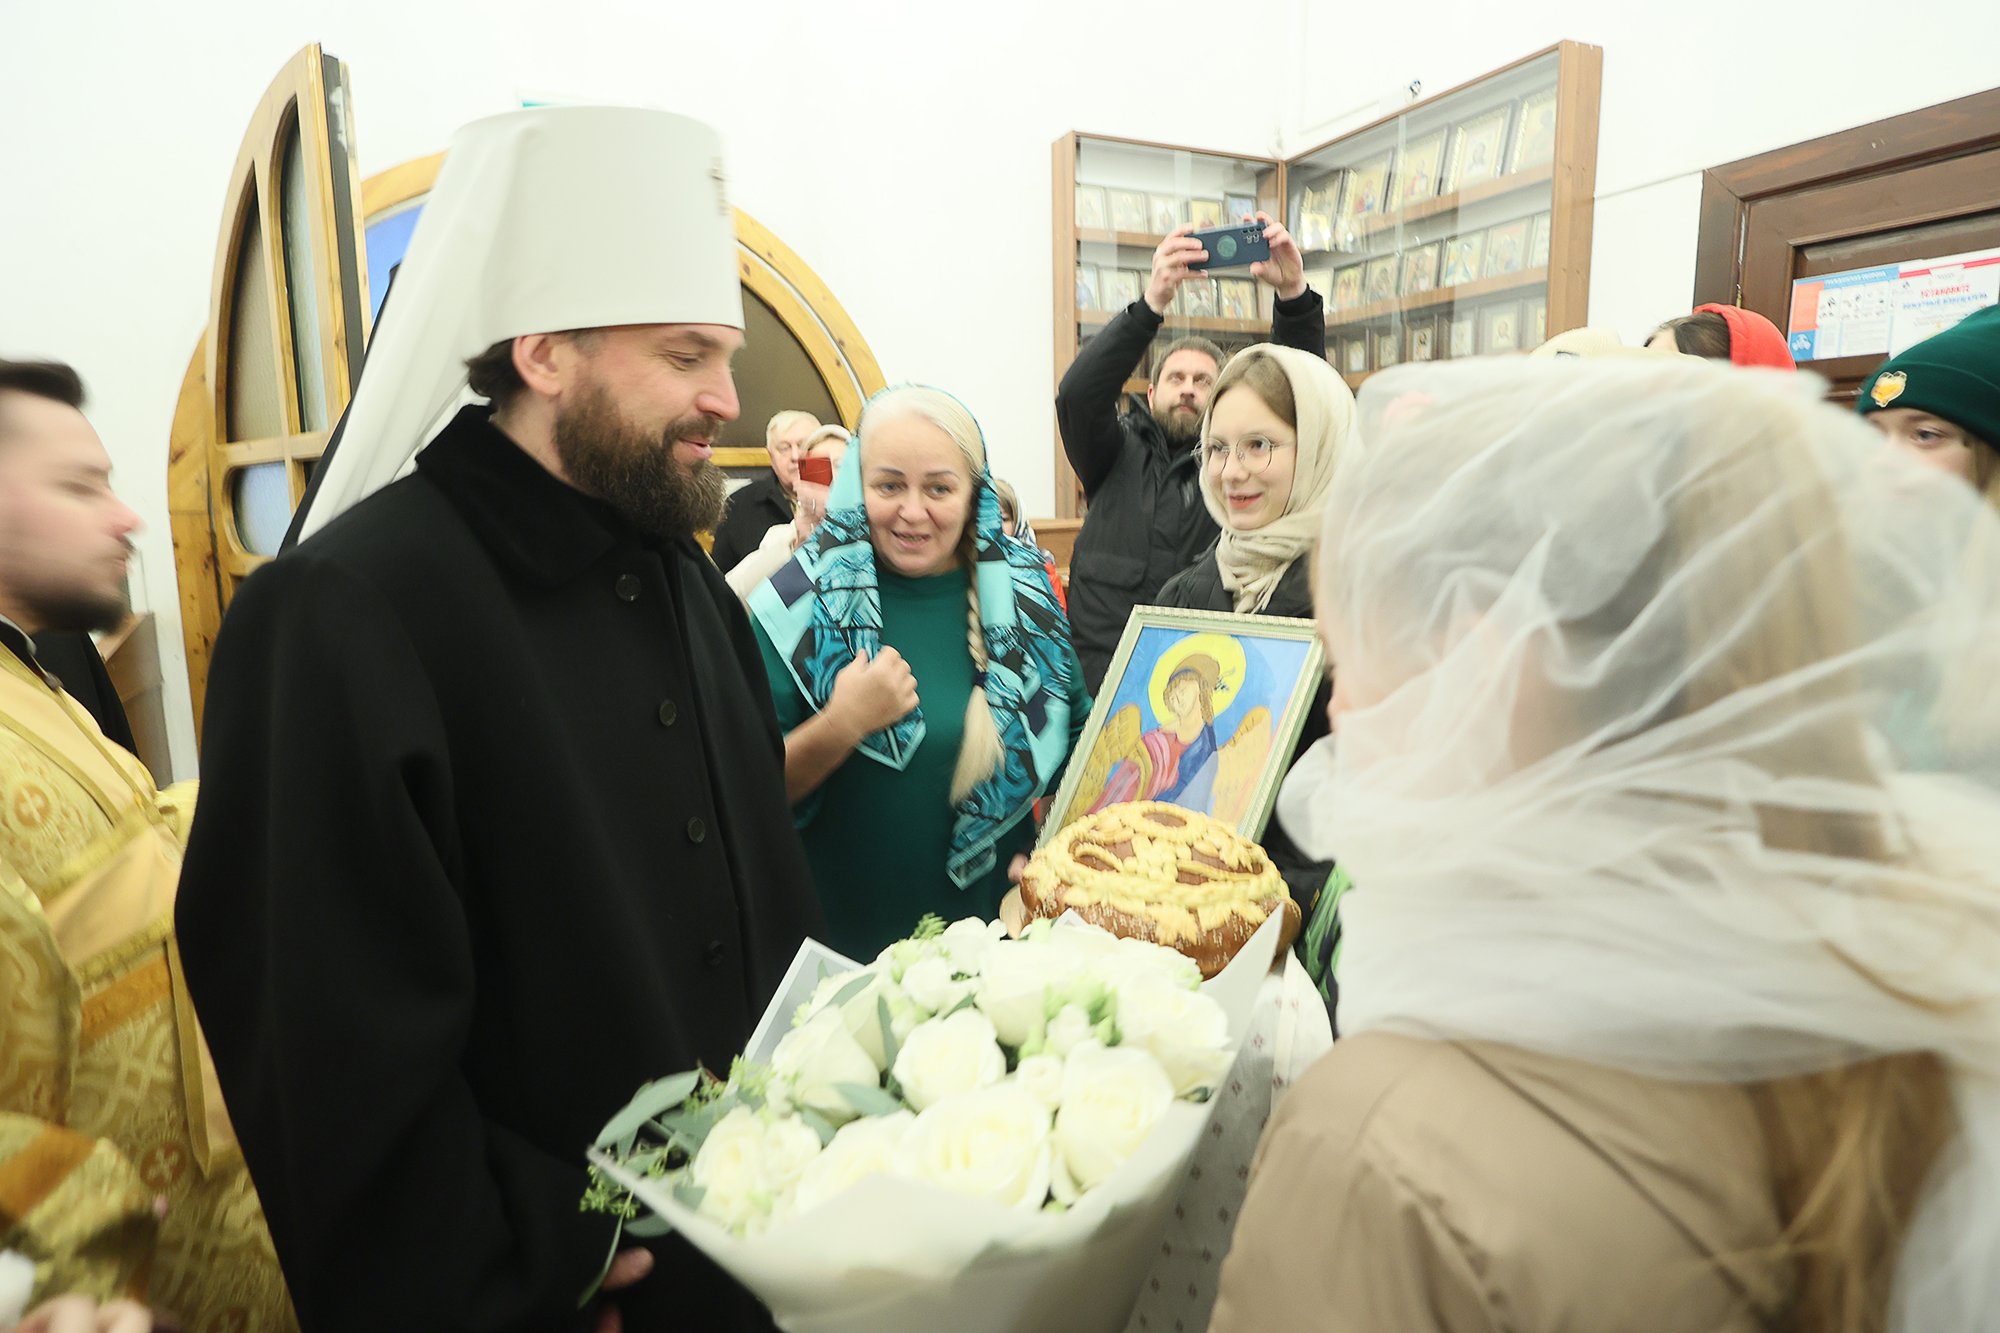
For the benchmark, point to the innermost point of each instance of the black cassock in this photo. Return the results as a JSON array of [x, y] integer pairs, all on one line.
[[492, 830], [73, 659]]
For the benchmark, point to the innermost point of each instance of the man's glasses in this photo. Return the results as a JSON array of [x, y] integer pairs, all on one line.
[[1254, 450]]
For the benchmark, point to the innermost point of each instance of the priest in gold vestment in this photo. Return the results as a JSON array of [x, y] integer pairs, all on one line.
[[118, 1171]]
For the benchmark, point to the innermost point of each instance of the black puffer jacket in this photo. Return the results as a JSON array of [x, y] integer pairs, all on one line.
[[1146, 518]]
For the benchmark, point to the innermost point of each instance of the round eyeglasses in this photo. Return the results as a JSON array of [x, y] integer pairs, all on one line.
[[1254, 450]]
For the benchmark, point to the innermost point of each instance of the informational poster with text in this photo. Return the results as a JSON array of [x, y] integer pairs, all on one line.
[[1886, 309]]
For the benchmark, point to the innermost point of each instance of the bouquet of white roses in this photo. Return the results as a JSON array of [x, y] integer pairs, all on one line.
[[971, 1131]]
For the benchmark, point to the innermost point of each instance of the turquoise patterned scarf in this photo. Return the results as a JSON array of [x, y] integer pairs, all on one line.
[[825, 606]]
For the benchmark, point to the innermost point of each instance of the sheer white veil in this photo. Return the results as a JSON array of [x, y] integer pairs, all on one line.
[[1671, 742]]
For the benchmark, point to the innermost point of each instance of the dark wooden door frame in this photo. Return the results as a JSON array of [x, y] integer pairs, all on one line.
[[1933, 134]]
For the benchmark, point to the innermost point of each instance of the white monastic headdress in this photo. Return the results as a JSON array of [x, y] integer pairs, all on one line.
[[543, 220]]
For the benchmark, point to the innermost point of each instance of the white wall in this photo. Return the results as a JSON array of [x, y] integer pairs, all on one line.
[[901, 148]]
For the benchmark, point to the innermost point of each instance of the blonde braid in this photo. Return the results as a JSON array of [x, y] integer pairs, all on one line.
[[979, 752]]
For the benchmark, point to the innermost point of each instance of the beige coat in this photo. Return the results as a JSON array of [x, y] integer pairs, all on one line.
[[1407, 1185]]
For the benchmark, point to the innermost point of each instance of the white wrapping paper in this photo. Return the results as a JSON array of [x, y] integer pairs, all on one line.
[[892, 1256]]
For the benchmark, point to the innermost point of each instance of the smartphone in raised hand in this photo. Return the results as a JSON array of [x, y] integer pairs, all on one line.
[[1233, 246]]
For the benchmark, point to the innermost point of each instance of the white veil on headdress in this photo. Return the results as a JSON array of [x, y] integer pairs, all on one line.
[[1671, 717], [541, 221]]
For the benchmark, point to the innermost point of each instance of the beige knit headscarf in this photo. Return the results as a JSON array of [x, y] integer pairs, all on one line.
[[1253, 562]]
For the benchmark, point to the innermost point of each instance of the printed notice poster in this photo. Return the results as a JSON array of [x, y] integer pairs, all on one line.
[[1843, 314], [1884, 310], [1936, 294]]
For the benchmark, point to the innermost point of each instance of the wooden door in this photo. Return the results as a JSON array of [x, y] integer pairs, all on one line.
[[1916, 186]]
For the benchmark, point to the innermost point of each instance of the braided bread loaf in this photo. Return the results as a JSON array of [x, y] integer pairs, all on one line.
[[1157, 872]]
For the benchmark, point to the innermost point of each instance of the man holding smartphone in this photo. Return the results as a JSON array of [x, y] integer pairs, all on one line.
[[1146, 521]]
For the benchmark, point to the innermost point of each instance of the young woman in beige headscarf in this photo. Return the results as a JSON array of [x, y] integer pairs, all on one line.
[[1670, 986], [1276, 423]]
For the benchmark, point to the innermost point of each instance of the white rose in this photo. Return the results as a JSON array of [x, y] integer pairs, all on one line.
[[1080, 937], [1042, 1075], [1111, 959], [897, 958], [1185, 1030], [1111, 1099], [822, 995], [948, 1055], [967, 943], [992, 1143], [733, 1170], [810, 1060], [1070, 1026], [1134, 958], [861, 1012], [867, 1147], [1014, 989], [930, 986], [790, 1145], [904, 1015]]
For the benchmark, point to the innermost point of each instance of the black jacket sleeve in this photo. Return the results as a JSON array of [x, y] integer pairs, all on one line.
[[1301, 323], [1087, 398], [332, 964]]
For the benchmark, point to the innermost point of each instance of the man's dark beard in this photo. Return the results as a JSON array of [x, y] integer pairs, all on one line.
[[80, 613], [636, 473], [1178, 434]]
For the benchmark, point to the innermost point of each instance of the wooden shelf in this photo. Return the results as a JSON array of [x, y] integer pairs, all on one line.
[[1564, 186], [1354, 381], [1203, 323], [1137, 240], [1464, 291], [1374, 224]]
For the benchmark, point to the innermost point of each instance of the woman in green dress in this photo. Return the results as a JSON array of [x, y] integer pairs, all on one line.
[[922, 670]]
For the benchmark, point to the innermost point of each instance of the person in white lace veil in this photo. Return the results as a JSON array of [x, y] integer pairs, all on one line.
[[1667, 705]]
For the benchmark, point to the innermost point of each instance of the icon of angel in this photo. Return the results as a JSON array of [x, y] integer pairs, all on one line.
[[1181, 760]]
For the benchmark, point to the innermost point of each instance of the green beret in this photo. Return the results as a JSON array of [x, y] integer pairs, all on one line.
[[1954, 375]]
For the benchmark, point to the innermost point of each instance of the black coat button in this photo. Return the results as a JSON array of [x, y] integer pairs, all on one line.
[[696, 830], [627, 587], [669, 713], [713, 953]]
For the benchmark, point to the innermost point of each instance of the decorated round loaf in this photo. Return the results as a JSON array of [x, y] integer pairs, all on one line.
[[1157, 872]]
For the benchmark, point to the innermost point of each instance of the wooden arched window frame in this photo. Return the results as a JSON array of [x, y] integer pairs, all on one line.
[[236, 414], [287, 319]]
